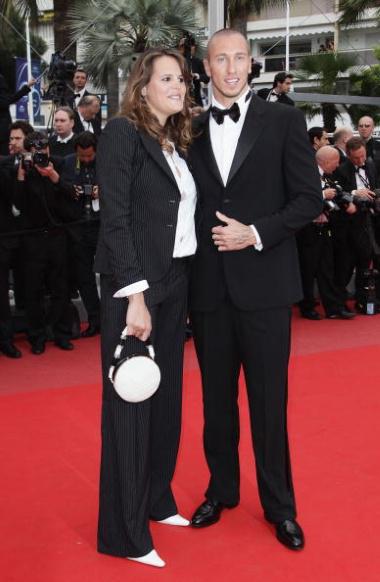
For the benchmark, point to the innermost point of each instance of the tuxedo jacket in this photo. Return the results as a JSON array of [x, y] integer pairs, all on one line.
[[139, 203], [274, 185], [283, 98], [346, 176], [79, 128]]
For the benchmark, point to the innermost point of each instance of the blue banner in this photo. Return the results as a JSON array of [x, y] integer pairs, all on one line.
[[22, 79]]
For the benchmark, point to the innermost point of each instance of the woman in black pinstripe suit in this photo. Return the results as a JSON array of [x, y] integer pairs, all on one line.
[[147, 235]]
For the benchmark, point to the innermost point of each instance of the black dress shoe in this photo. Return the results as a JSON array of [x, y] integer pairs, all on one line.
[[38, 347], [290, 534], [10, 350], [341, 314], [64, 344], [310, 314], [207, 513], [91, 330]]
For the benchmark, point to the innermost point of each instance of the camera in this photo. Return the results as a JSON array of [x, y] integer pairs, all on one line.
[[370, 305], [365, 204], [87, 198], [341, 200], [39, 157], [60, 71]]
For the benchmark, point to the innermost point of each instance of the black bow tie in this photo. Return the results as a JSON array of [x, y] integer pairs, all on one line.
[[76, 95], [219, 114]]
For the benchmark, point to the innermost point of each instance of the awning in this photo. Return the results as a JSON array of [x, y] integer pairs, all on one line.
[[296, 31]]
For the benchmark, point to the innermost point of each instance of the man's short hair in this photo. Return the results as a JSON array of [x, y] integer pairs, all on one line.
[[81, 70], [280, 78], [354, 143], [66, 109], [315, 132], [340, 132], [88, 100], [24, 126], [85, 140]]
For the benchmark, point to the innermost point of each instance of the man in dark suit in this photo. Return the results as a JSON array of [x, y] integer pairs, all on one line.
[[7, 99], [340, 138], [258, 183], [366, 126], [279, 93], [86, 115], [187, 47], [354, 239]]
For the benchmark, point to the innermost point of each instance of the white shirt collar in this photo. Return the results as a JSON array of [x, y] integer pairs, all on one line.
[[65, 139]]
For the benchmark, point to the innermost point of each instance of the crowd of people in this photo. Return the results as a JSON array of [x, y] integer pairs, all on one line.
[[201, 214], [49, 225]]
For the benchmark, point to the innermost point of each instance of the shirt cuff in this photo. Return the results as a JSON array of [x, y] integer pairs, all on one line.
[[259, 245], [137, 287]]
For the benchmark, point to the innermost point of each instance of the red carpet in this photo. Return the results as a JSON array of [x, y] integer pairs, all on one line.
[[49, 451]]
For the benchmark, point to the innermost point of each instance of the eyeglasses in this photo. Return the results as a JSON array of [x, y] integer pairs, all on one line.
[[368, 125]]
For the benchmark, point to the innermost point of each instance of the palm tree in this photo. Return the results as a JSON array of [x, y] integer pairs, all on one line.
[[353, 10], [238, 11], [123, 28], [324, 70], [30, 8]]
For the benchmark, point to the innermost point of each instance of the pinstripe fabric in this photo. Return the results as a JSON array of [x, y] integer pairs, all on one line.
[[139, 209], [140, 441], [139, 202]]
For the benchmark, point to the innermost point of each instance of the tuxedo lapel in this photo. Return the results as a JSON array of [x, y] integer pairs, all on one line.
[[205, 151], [154, 149], [253, 126]]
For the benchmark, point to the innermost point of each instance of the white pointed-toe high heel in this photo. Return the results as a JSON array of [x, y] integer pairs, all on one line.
[[151, 559], [176, 519]]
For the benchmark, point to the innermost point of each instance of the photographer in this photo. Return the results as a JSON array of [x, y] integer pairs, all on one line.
[[187, 46], [316, 251], [79, 185], [36, 194], [354, 243], [10, 222]]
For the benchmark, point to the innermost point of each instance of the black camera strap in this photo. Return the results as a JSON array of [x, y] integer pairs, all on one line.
[[364, 180]]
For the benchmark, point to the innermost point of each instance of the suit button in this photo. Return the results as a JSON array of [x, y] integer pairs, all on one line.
[[172, 201], [226, 200], [169, 225]]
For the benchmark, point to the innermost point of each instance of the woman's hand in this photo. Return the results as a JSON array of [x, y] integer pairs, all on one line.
[[138, 317]]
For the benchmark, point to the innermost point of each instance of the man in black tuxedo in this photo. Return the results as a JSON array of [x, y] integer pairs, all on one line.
[[282, 83], [258, 184], [340, 138], [86, 115], [354, 238]]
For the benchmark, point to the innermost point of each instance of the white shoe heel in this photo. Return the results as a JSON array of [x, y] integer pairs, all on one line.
[[151, 559], [176, 519]]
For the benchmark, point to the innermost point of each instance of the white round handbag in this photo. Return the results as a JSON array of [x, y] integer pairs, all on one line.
[[135, 377]]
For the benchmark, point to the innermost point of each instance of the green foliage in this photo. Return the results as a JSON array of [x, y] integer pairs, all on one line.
[[122, 28], [367, 84], [353, 10]]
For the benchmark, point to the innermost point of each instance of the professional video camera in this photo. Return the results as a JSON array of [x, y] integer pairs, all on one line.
[[39, 157], [60, 72], [84, 190]]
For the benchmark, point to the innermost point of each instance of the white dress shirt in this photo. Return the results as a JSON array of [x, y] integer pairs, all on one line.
[[80, 95], [185, 243], [361, 178], [224, 140], [86, 124]]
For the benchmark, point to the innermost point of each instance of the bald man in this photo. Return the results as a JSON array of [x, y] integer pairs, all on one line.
[[86, 115], [315, 249], [366, 126], [258, 184]]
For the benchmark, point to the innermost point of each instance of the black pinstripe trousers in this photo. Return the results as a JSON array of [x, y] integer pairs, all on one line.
[[140, 441]]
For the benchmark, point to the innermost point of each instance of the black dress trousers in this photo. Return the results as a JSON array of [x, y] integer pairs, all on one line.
[[226, 339], [140, 441]]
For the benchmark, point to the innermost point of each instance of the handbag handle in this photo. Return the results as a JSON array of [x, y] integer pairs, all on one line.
[[148, 344]]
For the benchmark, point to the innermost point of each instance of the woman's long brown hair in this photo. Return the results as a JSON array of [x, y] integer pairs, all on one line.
[[178, 126]]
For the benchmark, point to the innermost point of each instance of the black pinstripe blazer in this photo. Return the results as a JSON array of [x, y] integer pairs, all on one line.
[[139, 202]]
